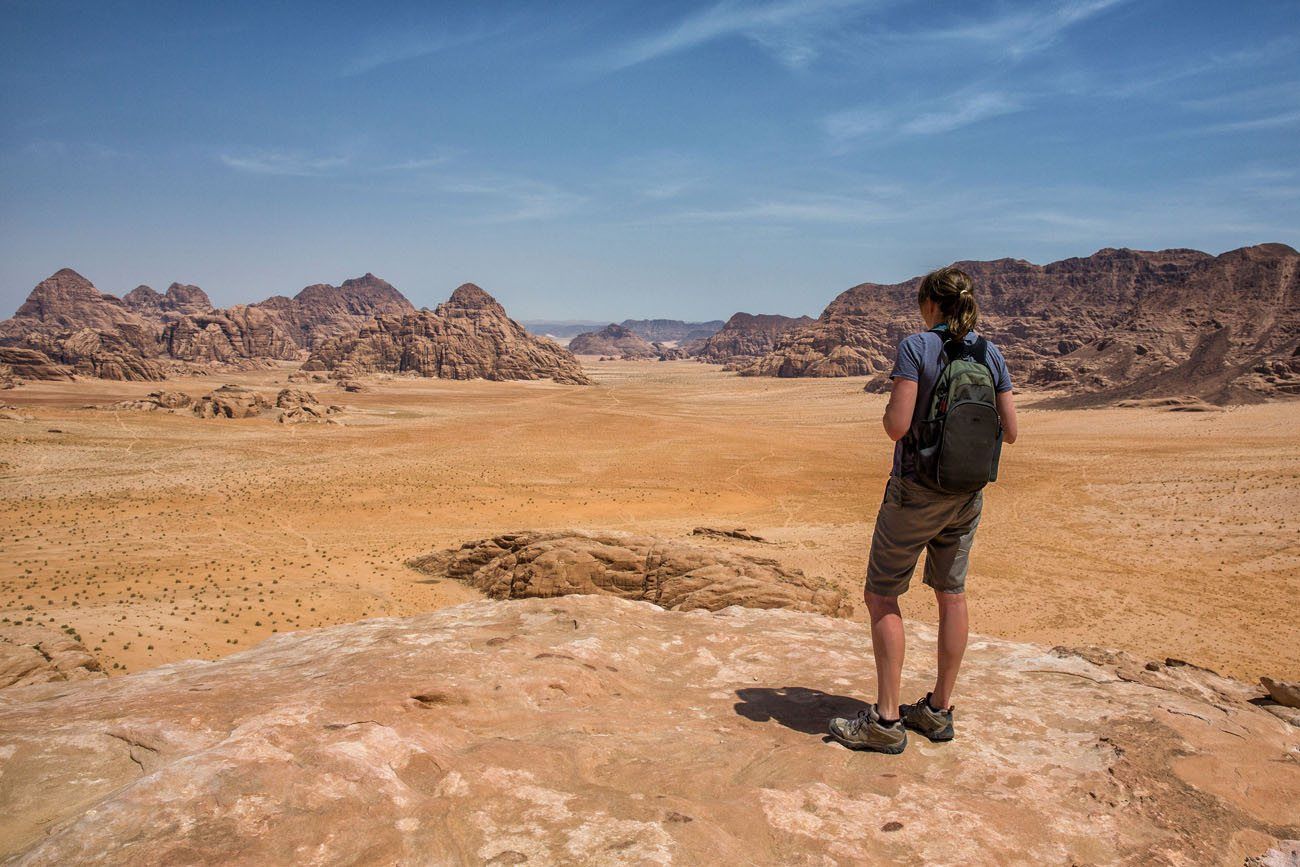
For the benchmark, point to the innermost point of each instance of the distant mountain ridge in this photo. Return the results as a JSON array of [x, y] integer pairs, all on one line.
[[1117, 324], [67, 326]]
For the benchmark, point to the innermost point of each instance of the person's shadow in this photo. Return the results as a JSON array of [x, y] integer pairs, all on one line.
[[796, 707]]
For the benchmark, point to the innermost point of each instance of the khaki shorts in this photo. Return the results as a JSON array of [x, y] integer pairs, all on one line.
[[912, 517]]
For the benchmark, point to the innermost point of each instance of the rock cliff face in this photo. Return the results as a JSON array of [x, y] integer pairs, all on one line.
[[467, 337], [613, 340], [596, 730], [746, 337], [1117, 324], [663, 571]]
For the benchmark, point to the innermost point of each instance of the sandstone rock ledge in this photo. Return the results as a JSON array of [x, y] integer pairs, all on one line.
[[601, 731], [669, 573]]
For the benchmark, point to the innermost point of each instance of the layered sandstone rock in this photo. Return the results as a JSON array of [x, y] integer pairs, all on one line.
[[321, 311], [298, 406], [27, 363], [154, 401], [32, 654], [122, 354], [231, 401], [596, 730], [76, 327], [180, 298], [1119, 324], [467, 337], [745, 337], [134, 338], [613, 340], [666, 572]]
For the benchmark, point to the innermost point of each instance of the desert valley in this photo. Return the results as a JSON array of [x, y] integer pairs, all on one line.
[[182, 483]]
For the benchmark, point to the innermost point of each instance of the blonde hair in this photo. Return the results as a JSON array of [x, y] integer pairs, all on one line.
[[954, 291]]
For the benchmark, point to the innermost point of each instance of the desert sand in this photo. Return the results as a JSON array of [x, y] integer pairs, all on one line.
[[159, 537]]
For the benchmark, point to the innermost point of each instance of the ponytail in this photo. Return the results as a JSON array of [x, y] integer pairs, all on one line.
[[954, 291]]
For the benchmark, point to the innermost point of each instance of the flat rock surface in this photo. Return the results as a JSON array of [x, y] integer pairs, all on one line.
[[600, 731]]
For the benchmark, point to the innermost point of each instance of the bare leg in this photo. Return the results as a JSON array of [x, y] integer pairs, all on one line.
[[888, 643], [954, 625]]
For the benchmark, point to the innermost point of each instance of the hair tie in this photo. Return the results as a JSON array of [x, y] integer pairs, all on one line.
[[965, 292]]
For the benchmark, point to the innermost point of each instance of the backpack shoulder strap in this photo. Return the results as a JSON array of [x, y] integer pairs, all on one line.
[[980, 351]]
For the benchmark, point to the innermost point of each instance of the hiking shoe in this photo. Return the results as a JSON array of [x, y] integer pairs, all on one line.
[[866, 732], [926, 721]]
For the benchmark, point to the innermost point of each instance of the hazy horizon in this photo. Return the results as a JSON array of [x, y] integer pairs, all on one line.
[[605, 161]]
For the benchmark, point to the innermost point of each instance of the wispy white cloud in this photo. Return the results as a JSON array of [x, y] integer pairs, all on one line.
[[845, 209], [390, 46], [287, 163], [888, 122], [517, 199], [790, 30], [415, 165], [1025, 31], [293, 163], [1274, 121]]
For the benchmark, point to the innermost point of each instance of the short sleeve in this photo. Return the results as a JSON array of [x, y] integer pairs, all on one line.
[[907, 360], [998, 365]]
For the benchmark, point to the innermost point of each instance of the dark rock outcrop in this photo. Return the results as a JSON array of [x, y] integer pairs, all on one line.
[[669, 573], [467, 337], [745, 337], [1119, 324], [671, 330], [614, 340]]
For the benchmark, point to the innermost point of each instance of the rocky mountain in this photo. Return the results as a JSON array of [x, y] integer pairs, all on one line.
[[671, 330], [560, 329], [613, 340], [467, 337], [595, 730], [745, 337], [137, 337], [179, 298], [1117, 324]]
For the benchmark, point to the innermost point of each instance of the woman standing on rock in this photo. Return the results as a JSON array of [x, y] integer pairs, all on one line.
[[949, 411]]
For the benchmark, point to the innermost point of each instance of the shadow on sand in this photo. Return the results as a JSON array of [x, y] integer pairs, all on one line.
[[795, 707]]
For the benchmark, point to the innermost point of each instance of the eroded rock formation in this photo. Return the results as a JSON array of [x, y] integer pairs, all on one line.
[[597, 730], [231, 401], [745, 337], [467, 337], [666, 572], [39, 654], [613, 340], [1115, 325], [74, 325]]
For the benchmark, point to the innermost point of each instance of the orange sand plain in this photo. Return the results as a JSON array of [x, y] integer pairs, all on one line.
[[159, 537]]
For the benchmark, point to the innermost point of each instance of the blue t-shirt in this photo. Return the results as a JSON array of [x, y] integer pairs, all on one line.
[[920, 359]]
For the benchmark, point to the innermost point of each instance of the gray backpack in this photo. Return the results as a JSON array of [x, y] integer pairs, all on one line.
[[960, 440]]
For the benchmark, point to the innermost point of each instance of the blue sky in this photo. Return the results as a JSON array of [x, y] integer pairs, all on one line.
[[612, 159]]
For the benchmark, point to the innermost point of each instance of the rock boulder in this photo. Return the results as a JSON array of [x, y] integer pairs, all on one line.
[[666, 572]]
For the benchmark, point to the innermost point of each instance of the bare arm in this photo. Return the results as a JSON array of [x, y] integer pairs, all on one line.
[[898, 413], [1007, 414]]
